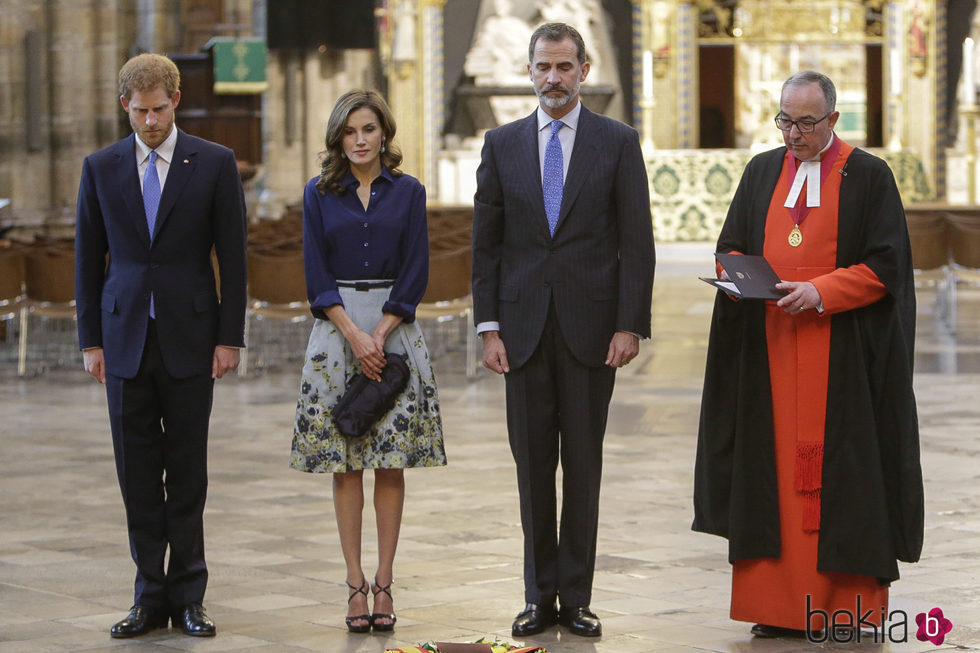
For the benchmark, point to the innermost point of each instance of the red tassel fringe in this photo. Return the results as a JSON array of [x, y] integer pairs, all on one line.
[[809, 466], [811, 511], [809, 472]]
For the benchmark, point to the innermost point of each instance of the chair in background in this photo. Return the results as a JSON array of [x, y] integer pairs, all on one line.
[[277, 305], [50, 301], [447, 306], [277, 233], [964, 247], [12, 275], [928, 236]]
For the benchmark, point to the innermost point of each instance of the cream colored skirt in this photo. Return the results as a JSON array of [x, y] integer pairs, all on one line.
[[409, 435]]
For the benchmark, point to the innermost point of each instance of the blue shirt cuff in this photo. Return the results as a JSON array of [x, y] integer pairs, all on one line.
[[324, 300], [405, 311]]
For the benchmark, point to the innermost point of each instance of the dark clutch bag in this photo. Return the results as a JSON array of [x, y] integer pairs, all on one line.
[[366, 401]]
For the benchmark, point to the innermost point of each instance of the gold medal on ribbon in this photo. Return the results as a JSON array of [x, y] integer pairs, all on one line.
[[795, 236]]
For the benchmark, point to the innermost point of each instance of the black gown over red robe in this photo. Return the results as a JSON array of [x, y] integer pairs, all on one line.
[[870, 500]]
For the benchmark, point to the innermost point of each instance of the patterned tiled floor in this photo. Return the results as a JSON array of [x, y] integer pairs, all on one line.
[[276, 570]]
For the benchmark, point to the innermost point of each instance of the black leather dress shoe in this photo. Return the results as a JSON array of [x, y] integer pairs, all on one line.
[[769, 632], [138, 622], [194, 621], [534, 619], [581, 621]]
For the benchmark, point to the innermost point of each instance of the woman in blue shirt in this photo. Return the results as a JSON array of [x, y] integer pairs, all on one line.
[[366, 254]]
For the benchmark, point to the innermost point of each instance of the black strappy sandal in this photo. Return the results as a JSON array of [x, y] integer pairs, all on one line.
[[361, 617], [377, 589]]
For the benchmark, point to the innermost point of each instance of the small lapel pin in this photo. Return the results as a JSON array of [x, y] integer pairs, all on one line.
[[186, 161]]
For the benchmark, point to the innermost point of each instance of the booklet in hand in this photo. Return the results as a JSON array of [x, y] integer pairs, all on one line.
[[750, 277]]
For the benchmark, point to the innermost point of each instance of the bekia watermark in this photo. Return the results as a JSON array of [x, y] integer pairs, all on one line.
[[933, 626], [846, 625]]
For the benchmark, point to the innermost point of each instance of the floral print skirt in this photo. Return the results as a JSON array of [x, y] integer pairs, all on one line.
[[409, 435]]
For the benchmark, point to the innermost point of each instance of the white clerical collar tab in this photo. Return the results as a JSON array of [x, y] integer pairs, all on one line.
[[809, 171], [813, 183]]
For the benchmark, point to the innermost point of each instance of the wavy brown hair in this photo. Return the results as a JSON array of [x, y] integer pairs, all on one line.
[[334, 166]]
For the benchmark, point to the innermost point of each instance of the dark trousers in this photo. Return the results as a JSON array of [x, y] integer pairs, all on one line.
[[160, 437], [556, 410]]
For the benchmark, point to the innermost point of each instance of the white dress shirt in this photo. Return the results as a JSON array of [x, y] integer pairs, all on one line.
[[165, 154], [566, 136]]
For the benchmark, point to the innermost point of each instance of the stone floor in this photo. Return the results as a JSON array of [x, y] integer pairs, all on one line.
[[276, 570]]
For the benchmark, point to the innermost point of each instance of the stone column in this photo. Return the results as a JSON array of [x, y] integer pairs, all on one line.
[[431, 91], [22, 22], [59, 62], [686, 71], [157, 27], [415, 84], [82, 77], [665, 72], [894, 64], [920, 111], [642, 78], [303, 88]]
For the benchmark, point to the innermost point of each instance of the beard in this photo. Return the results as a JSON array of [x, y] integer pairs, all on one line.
[[556, 102], [155, 138]]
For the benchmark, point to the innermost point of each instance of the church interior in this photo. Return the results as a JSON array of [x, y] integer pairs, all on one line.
[[700, 82]]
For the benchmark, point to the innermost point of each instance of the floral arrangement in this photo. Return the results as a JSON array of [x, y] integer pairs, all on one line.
[[496, 646]]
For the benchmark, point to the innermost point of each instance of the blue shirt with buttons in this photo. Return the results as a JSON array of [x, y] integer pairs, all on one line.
[[388, 240]]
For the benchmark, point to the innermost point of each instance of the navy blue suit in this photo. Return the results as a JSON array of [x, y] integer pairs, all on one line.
[[158, 372]]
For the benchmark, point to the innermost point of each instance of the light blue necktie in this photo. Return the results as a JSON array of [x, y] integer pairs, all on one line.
[[553, 180], [151, 202], [151, 192]]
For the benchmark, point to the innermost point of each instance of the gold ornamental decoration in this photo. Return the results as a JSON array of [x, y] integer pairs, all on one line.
[[791, 20]]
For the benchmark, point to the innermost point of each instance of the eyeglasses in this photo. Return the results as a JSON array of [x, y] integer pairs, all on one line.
[[804, 126]]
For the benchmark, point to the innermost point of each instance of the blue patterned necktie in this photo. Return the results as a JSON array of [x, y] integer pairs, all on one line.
[[553, 180], [151, 192], [151, 203]]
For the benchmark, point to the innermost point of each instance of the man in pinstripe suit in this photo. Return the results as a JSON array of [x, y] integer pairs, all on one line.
[[563, 262]]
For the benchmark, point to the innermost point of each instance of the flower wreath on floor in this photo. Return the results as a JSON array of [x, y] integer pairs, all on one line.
[[496, 646]]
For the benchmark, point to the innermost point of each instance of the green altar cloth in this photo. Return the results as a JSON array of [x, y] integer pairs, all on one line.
[[690, 190]]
